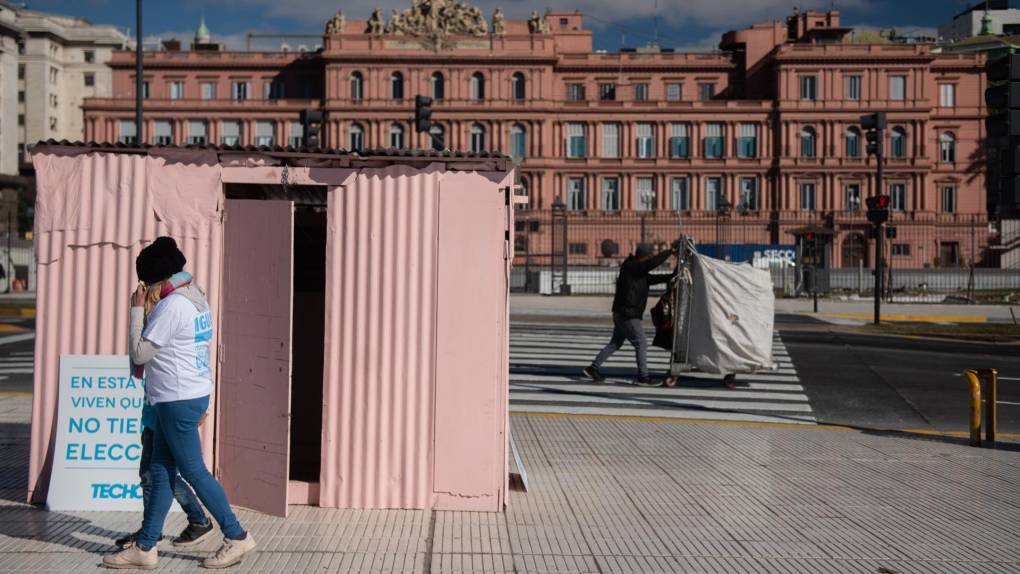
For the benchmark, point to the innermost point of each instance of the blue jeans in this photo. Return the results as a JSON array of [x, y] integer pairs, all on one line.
[[182, 492], [177, 446]]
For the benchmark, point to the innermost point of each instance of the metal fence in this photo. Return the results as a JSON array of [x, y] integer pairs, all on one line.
[[17, 264], [931, 256]]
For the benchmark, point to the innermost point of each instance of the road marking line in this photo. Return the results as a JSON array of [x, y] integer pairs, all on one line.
[[517, 388], [16, 338], [658, 415], [15, 393], [913, 318], [622, 400]]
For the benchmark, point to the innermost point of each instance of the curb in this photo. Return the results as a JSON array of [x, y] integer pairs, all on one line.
[[905, 318]]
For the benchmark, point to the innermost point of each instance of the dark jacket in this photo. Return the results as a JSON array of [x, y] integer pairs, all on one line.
[[632, 285]]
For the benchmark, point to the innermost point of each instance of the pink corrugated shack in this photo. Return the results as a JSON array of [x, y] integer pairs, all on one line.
[[361, 302]]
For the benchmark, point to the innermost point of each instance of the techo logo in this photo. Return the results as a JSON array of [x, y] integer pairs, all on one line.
[[117, 491]]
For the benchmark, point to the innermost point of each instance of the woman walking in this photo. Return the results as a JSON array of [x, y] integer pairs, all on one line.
[[174, 348]]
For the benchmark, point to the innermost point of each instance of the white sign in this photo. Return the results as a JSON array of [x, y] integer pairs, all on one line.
[[98, 448]]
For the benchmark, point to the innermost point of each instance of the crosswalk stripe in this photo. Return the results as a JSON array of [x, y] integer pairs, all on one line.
[[521, 388], [664, 413], [16, 371], [661, 402], [753, 382]]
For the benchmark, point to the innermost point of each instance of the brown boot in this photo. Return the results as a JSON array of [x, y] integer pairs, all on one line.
[[132, 558]]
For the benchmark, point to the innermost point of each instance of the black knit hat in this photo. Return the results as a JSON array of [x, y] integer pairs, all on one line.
[[159, 260], [643, 250]]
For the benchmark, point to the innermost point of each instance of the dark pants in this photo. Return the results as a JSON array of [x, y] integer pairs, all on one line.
[[182, 492], [176, 445], [626, 330]]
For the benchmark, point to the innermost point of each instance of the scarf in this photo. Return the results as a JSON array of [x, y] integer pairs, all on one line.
[[175, 282]]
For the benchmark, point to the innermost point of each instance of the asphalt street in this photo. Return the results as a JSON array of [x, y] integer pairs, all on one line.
[[17, 349], [896, 382]]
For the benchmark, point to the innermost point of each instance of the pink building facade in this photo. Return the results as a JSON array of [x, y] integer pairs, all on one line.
[[770, 122]]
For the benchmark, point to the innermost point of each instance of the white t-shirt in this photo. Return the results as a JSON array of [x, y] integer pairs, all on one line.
[[180, 370]]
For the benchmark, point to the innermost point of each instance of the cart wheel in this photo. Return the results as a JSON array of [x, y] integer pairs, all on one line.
[[730, 381], [670, 382]]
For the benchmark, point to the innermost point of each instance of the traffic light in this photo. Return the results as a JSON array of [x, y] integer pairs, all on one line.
[[878, 209], [311, 122], [874, 126], [422, 114]]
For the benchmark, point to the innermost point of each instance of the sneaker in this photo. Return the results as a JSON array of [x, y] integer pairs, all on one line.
[[647, 381], [194, 535], [232, 552], [133, 558], [730, 381], [127, 541], [594, 374]]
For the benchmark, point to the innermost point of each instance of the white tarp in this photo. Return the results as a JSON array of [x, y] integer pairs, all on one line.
[[732, 314]]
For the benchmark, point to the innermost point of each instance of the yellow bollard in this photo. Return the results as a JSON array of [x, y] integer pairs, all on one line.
[[971, 377], [991, 377]]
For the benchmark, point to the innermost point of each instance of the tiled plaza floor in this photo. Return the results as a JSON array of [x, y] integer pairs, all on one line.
[[609, 495]]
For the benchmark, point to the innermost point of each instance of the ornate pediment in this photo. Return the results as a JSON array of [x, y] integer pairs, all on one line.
[[433, 22]]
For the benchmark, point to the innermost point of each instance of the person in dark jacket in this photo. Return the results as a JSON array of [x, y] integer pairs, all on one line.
[[629, 305]]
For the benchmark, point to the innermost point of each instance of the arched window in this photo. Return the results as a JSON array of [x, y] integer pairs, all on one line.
[[438, 86], [517, 87], [899, 142], [808, 142], [357, 86], [357, 138], [477, 138], [518, 141], [853, 142], [397, 86], [477, 86], [397, 136], [947, 147], [438, 136]]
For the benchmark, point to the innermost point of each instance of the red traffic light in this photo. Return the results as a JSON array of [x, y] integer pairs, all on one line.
[[810, 236], [883, 202]]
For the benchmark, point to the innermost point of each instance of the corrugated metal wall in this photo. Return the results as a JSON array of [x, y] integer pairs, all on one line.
[[97, 216], [380, 343]]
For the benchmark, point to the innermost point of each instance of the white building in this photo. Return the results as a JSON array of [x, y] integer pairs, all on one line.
[[63, 60], [10, 34], [998, 19]]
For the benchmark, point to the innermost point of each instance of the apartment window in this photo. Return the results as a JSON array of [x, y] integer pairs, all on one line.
[[611, 140], [231, 133], [680, 194], [679, 140], [853, 143], [163, 133], [749, 193], [713, 193], [901, 249], [575, 92], [356, 140], [897, 87], [517, 85], [145, 90], [21, 71], [518, 141], [808, 142], [397, 136], [577, 144], [197, 132], [706, 90], [357, 86], [265, 133], [176, 90], [611, 193], [477, 86], [853, 197], [853, 88], [808, 197], [53, 123], [899, 143], [747, 143], [239, 90], [641, 92], [607, 92], [90, 79], [477, 138], [646, 199], [645, 141], [898, 195], [21, 96], [90, 56], [296, 134], [947, 147], [674, 92], [128, 132], [714, 141], [53, 75], [208, 90], [396, 86], [948, 194], [21, 119], [438, 85], [809, 88], [947, 95], [576, 200]]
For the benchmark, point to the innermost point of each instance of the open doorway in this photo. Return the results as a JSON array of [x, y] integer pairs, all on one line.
[[271, 332]]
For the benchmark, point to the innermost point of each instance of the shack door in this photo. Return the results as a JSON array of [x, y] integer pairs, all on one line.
[[255, 359]]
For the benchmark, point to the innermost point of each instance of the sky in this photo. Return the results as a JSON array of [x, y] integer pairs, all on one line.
[[682, 24]]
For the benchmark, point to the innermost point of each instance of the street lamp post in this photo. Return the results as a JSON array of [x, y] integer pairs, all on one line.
[[138, 71], [722, 209]]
